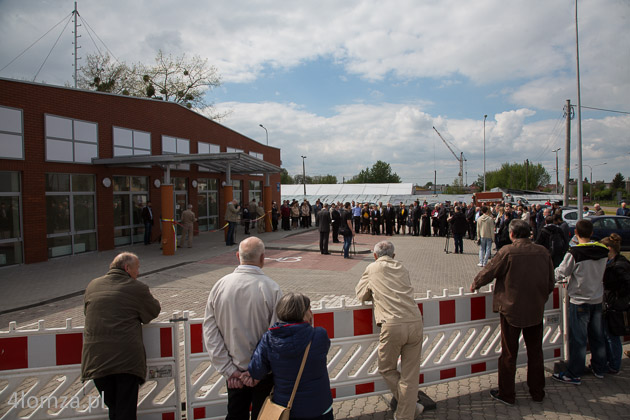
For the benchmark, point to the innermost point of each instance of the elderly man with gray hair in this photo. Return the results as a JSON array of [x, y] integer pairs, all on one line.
[[115, 306], [241, 307], [386, 283]]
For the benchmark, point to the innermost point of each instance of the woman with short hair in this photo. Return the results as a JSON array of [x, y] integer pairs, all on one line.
[[281, 350]]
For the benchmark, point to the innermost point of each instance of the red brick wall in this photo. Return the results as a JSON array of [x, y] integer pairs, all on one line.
[[153, 116]]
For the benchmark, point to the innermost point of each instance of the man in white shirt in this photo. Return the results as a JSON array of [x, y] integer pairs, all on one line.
[[241, 307]]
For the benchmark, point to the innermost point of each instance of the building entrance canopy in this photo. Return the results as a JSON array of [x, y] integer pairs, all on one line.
[[228, 163]]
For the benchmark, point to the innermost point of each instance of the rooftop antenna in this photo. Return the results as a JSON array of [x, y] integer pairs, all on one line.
[[75, 16]]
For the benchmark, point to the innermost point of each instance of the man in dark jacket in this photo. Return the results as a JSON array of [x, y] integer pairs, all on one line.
[[553, 238], [323, 223], [524, 278], [115, 306], [458, 227], [147, 220], [335, 217]]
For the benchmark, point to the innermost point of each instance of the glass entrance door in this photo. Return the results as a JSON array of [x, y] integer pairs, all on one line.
[[181, 201]]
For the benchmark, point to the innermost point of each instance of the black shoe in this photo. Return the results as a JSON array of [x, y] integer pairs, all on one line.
[[494, 393], [393, 404], [326, 253]]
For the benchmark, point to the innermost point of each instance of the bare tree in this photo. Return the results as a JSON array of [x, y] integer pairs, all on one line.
[[176, 79]]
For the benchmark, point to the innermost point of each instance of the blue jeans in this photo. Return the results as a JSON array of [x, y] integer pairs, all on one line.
[[585, 322], [614, 348], [459, 243], [347, 241], [485, 250]]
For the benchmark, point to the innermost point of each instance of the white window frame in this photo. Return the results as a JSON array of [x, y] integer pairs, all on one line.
[[10, 131], [71, 141], [133, 149]]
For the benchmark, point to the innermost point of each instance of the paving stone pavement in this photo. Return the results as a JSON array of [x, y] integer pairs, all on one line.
[[183, 281]]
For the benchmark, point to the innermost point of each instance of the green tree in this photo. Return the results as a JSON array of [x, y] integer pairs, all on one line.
[[380, 173], [516, 176], [285, 178], [618, 181], [456, 188], [324, 179], [297, 179]]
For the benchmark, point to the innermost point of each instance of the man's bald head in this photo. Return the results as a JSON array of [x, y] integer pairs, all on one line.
[[251, 251]]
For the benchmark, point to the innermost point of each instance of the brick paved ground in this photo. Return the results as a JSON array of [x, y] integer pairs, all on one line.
[[182, 282]]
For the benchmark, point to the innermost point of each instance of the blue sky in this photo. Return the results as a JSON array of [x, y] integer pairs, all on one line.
[[348, 83]]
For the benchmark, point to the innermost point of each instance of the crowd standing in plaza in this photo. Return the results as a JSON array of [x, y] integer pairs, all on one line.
[[260, 340]]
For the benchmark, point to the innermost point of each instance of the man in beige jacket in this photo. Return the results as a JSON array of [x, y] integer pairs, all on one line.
[[386, 283], [188, 223], [485, 235]]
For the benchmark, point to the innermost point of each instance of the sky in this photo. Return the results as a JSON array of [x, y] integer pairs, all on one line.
[[349, 83]]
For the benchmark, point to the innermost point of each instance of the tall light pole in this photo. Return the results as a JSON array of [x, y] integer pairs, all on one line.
[[484, 151], [266, 132], [580, 187], [591, 168], [304, 174], [556, 152]]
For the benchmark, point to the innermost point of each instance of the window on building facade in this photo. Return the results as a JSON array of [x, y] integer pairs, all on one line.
[[203, 148], [70, 214], [69, 140], [256, 155], [11, 133], [10, 219], [233, 150], [255, 191], [180, 199], [131, 194], [208, 204], [237, 190], [176, 146], [131, 142]]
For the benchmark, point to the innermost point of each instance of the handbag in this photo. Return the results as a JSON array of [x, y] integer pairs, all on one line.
[[272, 411]]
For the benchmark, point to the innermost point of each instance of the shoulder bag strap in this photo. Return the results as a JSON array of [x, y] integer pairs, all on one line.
[[299, 376]]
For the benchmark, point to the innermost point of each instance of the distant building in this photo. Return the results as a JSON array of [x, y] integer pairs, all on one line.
[[77, 167]]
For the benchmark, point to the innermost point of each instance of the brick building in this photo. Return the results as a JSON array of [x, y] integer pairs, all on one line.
[[77, 167]]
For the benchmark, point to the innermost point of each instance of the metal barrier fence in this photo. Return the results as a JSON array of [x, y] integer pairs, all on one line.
[[40, 369], [461, 339], [40, 375]]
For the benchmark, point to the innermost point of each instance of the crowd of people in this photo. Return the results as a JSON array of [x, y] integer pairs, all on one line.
[[260, 339]]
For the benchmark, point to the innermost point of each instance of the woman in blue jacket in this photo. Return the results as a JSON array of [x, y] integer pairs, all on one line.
[[281, 350]]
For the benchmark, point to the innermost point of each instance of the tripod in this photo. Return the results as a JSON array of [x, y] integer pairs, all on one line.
[[448, 236]]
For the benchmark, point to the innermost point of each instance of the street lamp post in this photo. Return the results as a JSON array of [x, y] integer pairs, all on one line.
[[266, 132], [304, 174], [484, 151], [591, 168], [556, 152]]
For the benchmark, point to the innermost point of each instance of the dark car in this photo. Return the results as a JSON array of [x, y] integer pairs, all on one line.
[[603, 226]]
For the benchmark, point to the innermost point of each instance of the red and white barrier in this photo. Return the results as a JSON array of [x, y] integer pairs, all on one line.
[[461, 339], [43, 371]]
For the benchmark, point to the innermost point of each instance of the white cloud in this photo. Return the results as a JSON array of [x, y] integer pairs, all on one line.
[[402, 135], [524, 52]]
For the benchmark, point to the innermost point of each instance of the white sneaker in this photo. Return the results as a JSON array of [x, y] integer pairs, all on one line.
[[480, 265]]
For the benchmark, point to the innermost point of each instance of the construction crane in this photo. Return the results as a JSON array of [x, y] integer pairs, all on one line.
[[461, 159]]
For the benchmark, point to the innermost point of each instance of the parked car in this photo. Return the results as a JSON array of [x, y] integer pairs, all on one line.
[[603, 226], [570, 215]]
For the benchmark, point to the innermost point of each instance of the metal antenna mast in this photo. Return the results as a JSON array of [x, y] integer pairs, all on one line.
[[461, 159], [75, 14]]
